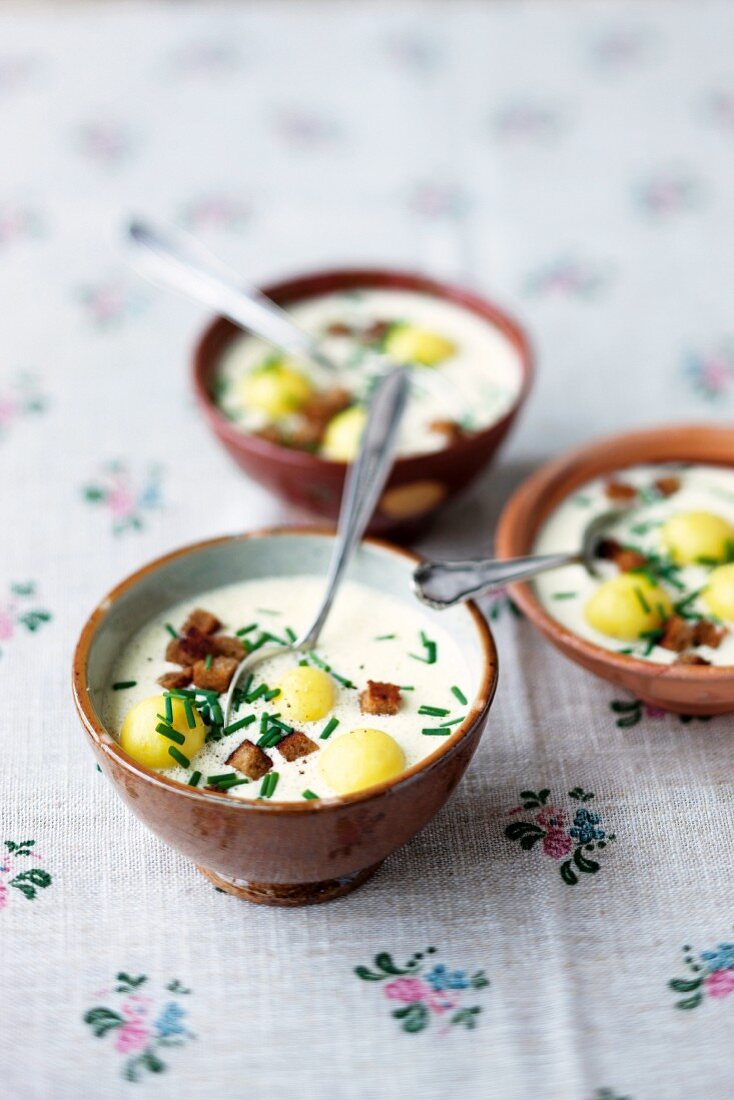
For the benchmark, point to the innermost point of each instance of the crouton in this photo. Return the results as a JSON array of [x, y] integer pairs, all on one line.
[[620, 491], [217, 676], [450, 428], [296, 744], [379, 698], [678, 634], [666, 486], [250, 760], [190, 647], [627, 561], [707, 633], [172, 680], [201, 620], [376, 332], [321, 407], [272, 433], [690, 659], [227, 646], [339, 328]]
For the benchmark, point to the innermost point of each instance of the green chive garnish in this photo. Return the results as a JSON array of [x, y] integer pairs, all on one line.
[[208, 661], [321, 663], [459, 695], [194, 780], [216, 712], [171, 734], [246, 630], [268, 696], [328, 729], [384, 637], [179, 757], [453, 721], [268, 611], [309, 795], [122, 684], [431, 650], [563, 595], [214, 779], [643, 602], [239, 725], [189, 712], [257, 693], [290, 634], [441, 731], [171, 631], [434, 712], [169, 710], [407, 687]]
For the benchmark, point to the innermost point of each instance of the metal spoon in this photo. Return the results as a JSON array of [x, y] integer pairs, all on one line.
[[444, 583], [365, 481]]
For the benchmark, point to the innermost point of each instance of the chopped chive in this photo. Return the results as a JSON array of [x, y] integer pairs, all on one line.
[[328, 729], [171, 734], [275, 720], [290, 634], [239, 725], [266, 636], [626, 651], [563, 595], [385, 637], [309, 795], [235, 781], [216, 710], [434, 712], [272, 694], [171, 631], [269, 783], [321, 663], [643, 602], [169, 710], [431, 650], [122, 684], [189, 712], [194, 780], [440, 731], [208, 661], [407, 687], [264, 720], [459, 695], [179, 757], [257, 693], [221, 777], [454, 721], [268, 611], [246, 630]]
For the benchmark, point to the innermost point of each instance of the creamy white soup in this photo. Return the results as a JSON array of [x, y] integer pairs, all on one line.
[[382, 690], [665, 589], [468, 373]]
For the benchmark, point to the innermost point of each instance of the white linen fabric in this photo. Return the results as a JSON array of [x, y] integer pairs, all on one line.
[[574, 161]]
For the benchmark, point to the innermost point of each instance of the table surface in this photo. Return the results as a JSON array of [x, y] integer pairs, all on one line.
[[574, 161]]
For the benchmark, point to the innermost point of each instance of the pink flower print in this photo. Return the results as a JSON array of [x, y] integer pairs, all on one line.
[[407, 990], [121, 501], [131, 1037], [440, 1001], [551, 817], [557, 843], [7, 623], [655, 712], [8, 411], [720, 983]]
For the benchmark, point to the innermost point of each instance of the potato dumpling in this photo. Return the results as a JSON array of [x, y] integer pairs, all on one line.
[[140, 739], [276, 389], [360, 759], [307, 694], [344, 434], [693, 537], [408, 344], [718, 595], [627, 606]]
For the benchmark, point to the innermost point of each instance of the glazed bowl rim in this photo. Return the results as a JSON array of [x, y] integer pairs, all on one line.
[[525, 499], [105, 741], [287, 289]]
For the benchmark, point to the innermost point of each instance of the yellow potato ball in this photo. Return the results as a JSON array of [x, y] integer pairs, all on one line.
[[140, 739], [344, 434], [360, 759], [692, 537], [276, 389], [408, 344], [718, 595], [627, 606], [307, 694]]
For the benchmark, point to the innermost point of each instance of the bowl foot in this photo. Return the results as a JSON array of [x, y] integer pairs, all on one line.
[[290, 894]]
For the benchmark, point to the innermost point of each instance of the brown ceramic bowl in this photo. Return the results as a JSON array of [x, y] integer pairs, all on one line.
[[419, 484], [679, 688], [277, 853]]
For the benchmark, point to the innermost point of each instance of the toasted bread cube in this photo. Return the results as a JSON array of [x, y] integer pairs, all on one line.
[[296, 744], [450, 428], [201, 620], [379, 698], [707, 633], [217, 676], [666, 486], [627, 561], [678, 634], [250, 760], [620, 491], [172, 680], [190, 647], [227, 646], [690, 659]]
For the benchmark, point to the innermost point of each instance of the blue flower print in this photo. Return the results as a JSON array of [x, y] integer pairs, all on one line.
[[439, 978], [720, 959], [584, 827], [168, 1025]]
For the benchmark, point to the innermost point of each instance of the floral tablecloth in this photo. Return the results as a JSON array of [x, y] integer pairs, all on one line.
[[564, 928]]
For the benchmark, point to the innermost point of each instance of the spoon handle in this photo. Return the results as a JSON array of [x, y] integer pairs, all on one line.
[[176, 260], [443, 583], [365, 481]]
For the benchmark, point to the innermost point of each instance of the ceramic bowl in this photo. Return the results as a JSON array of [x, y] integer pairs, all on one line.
[[679, 688], [277, 853], [419, 484]]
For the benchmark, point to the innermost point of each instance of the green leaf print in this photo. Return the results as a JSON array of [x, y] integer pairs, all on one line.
[[101, 1020], [414, 1017]]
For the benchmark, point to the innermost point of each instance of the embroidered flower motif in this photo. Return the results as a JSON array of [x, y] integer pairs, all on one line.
[[105, 141], [712, 975], [526, 122], [18, 222], [711, 373], [304, 129], [438, 201], [438, 992], [140, 1024], [214, 213], [16, 612], [667, 193], [567, 278], [549, 825], [632, 711], [21, 399], [620, 48], [125, 498], [28, 880]]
